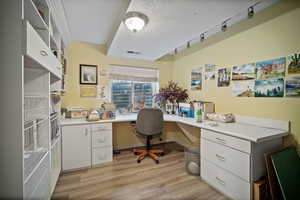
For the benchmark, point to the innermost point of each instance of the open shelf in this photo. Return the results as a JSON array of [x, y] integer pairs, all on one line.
[[32, 14], [32, 162]]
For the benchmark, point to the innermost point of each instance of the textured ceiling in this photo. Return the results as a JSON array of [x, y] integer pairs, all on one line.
[[171, 23], [93, 20]]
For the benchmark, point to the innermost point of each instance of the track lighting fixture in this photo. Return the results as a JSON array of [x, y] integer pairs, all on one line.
[[202, 37], [188, 45], [224, 26], [250, 12]]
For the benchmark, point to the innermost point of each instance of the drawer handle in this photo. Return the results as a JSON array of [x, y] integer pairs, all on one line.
[[221, 140], [222, 158], [44, 53], [220, 181], [86, 132]]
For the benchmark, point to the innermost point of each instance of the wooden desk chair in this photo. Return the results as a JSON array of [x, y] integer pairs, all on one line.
[[149, 125]]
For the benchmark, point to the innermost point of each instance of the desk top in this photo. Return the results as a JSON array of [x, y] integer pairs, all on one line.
[[254, 133]]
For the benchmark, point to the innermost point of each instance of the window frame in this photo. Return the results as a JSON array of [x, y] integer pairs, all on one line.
[[155, 89]]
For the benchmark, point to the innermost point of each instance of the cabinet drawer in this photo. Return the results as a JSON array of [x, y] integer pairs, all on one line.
[[102, 155], [102, 139], [230, 159], [102, 127], [224, 181], [232, 142], [36, 48]]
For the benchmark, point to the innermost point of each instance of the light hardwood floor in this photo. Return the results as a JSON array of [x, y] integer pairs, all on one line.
[[124, 179]]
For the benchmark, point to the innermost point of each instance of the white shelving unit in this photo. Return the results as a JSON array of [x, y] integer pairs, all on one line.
[[30, 151]]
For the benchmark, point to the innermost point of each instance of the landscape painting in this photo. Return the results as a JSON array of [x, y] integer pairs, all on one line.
[[270, 69], [224, 77], [269, 88], [196, 79], [243, 72], [292, 86], [210, 72], [243, 88], [294, 64]]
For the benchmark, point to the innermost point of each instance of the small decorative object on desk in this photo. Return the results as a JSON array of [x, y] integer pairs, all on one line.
[[93, 116], [76, 112], [226, 118], [107, 111], [172, 94]]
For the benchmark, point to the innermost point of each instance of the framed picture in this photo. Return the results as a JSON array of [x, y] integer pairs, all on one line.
[[196, 79], [88, 74]]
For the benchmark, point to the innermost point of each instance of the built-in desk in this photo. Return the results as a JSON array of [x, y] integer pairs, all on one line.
[[248, 131], [232, 154]]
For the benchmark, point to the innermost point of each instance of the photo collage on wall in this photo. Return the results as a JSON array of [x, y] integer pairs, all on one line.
[[270, 78], [196, 79], [292, 85], [224, 77], [243, 77], [261, 79]]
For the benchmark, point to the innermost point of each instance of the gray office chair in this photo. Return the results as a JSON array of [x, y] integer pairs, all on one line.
[[149, 125]]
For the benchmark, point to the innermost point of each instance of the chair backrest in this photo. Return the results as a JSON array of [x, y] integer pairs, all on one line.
[[149, 121]]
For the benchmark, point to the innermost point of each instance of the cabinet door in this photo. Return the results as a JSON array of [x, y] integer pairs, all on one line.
[[76, 147]]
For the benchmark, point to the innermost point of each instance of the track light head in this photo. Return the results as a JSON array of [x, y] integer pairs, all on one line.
[[250, 12], [202, 37], [224, 26], [188, 45]]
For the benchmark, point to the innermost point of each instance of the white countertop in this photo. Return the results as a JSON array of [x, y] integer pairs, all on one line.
[[249, 132]]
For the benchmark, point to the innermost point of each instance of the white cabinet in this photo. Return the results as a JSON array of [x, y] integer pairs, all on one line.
[[101, 143], [227, 183], [36, 49], [55, 162], [86, 145], [232, 164], [235, 161], [76, 147], [101, 155]]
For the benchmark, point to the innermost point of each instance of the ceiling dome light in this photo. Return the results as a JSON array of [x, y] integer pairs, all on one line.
[[135, 21]]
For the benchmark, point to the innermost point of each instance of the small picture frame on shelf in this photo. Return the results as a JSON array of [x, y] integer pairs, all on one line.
[[88, 74]]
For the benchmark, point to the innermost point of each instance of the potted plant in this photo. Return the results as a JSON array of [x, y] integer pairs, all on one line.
[[172, 93]]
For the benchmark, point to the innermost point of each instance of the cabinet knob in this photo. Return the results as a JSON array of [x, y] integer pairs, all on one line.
[[43, 53]]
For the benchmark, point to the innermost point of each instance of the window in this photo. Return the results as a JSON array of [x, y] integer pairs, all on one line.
[[132, 94], [133, 88]]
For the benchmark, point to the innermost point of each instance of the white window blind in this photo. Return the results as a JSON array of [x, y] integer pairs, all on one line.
[[140, 74], [132, 87]]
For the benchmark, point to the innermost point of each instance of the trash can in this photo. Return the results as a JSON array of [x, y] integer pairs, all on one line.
[[192, 160]]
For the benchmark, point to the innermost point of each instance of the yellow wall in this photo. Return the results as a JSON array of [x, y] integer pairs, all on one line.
[[270, 34], [270, 39], [87, 53]]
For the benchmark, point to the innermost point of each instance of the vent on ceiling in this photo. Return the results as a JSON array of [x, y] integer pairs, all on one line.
[[133, 52]]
